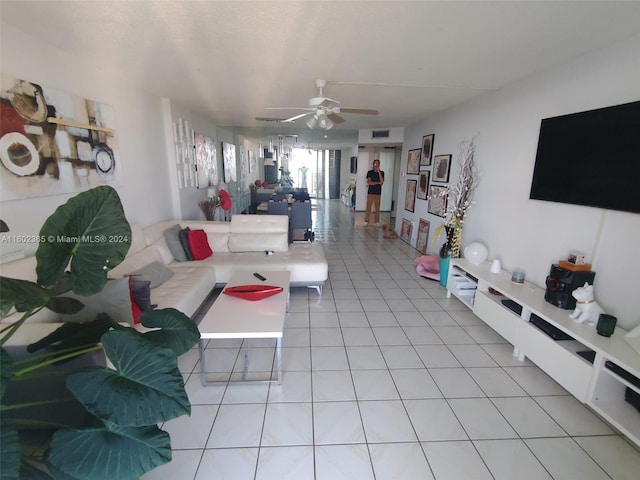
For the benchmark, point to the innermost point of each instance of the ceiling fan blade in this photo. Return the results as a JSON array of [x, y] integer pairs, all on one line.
[[326, 102], [269, 119], [296, 117], [289, 108], [335, 118], [361, 111]]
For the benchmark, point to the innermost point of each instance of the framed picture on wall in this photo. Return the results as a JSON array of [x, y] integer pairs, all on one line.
[[406, 230], [441, 168], [410, 196], [252, 161], [427, 150], [413, 162], [423, 235], [229, 161], [423, 185], [437, 200]]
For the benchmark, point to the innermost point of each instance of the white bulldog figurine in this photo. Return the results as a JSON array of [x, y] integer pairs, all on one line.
[[587, 309]]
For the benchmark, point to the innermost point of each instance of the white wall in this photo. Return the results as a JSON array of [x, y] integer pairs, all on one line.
[[528, 234], [139, 133]]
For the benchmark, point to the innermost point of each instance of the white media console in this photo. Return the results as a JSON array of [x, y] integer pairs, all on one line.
[[599, 376]]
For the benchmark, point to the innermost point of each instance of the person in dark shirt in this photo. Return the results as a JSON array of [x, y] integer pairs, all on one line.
[[375, 180]]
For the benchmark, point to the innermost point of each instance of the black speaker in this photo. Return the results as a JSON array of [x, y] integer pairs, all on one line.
[[562, 282]]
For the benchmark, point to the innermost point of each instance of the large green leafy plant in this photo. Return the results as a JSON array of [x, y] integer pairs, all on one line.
[[89, 235]]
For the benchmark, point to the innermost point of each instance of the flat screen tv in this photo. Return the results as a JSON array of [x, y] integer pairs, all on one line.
[[590, 158]]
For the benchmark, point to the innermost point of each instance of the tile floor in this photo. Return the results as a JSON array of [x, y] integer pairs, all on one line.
[[385, 378]]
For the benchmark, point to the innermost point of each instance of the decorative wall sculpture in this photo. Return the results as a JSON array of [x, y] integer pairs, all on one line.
[[53, 142]]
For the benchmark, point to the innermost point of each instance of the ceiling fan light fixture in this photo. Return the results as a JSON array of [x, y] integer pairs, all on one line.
[[312, 122], [325, 123]]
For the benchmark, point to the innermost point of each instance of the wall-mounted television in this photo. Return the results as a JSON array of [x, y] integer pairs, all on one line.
[[590, 158]]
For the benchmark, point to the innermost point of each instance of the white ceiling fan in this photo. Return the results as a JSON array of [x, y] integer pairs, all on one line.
[[323, 111]]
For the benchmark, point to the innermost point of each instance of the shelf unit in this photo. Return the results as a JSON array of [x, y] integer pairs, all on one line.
[[596, 370]]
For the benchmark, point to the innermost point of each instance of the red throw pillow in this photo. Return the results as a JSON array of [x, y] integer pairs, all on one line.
[[136, 311], [199, 244]]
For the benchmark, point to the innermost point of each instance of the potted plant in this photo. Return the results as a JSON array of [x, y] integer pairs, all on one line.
[[124, 402], [459, 197]]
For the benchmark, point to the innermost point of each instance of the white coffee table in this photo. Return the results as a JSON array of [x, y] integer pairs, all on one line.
[[232, 317]]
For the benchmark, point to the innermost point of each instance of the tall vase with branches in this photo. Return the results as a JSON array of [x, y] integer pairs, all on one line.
[[460, 200]]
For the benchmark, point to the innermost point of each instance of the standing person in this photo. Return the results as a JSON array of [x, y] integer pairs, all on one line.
[[375, 179]]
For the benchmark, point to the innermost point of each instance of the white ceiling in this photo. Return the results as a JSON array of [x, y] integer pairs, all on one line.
[[231, 60]]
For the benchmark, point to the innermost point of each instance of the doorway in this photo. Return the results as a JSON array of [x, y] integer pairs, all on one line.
[[307, 170], [387, 165]]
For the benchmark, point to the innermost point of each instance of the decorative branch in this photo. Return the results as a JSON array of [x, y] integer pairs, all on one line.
[[460, 197]]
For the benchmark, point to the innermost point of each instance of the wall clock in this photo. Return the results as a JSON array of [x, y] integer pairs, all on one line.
[[103, 156]]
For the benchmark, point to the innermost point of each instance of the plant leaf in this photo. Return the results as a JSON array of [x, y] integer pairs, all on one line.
[[71, 335], [21, 294], [9, 453], [109, 452], [29, 471], [177, 331], [65, 305], [146, 388], [6, 367], [92, 232]]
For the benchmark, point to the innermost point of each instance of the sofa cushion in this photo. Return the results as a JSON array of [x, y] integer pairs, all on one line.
[[140, 293], [258, 242], [138, 241], [187, 289], [257, 233], [136, 311], [199, 245], [163, 248], [156, 273], [217, 233], [114, 300], [134, 262], [172, 237], [306, 262], [184, 241]]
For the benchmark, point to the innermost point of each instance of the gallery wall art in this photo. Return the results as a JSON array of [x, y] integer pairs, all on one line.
[[423, 235], [423, 185], [427, 150], [206, 160], [406, 230], [185, 143], [437, 200], [229, 161], [410, 195], [413, 161], [53, 142], [441, 168]]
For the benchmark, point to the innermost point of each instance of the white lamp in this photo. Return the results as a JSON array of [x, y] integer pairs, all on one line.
[[476, 253]]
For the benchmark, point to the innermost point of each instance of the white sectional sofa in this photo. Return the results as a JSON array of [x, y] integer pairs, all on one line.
[[237, 245]]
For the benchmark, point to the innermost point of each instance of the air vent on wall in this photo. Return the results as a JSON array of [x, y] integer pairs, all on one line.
[[380, 134]]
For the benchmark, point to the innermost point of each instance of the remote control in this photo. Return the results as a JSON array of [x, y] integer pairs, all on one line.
[[259, 277]]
